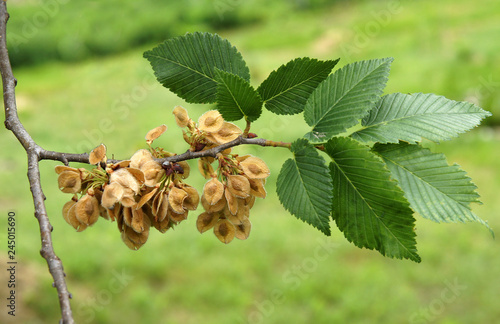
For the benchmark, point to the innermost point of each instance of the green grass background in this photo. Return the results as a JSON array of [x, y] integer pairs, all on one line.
[[286, 272]]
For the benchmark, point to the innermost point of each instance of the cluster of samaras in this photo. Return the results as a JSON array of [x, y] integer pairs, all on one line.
[[142, 192]]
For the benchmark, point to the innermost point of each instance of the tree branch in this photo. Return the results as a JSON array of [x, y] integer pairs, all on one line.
[[213, 151], [33, 152]]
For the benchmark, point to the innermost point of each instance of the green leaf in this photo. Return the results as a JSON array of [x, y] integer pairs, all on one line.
[[368, 207], [236, 98], [186, 65], [286, 90], [304, 186], [410, 118], [436, 190], [345, 97]]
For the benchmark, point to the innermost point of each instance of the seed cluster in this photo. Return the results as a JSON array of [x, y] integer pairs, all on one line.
[[141, 193]]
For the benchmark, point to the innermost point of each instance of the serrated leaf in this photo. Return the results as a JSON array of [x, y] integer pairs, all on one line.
[[186, 65], [345, 97], [369, 207], [436, 190], [236, 98], [304, 186], [410, 118], [285, 91]]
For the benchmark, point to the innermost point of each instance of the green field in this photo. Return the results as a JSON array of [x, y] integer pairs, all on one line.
[[286, 272]]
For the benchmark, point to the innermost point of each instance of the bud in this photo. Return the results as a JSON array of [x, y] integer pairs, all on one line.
[[211, 121], [224, 231]]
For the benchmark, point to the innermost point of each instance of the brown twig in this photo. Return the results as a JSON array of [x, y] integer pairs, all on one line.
[[33, 152], [214, 150]]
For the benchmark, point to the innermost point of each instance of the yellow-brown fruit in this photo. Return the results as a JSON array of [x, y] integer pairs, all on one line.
[[113, 193], [139, 158], [193, 198], [114, 212], [69, 181], [129, 243], [121, 164], [87, 210], [155, 133], [138, 219], [153, 172], [211, 121], [162, 225], [224, 231], [234, 219], [205, 168], [255, 168], [177, 217], [227, 133], [176, 198], [137, 174], [69, 215], [186, 169], [61, 168], [127, 216], [213, 208], [257, 188], [206, 221], [98, 154], [238, 185], [181, 116], [243, 230], [146, 197], [232, 202], [213, 191], [125, 179], [249, 201], [139, 238]]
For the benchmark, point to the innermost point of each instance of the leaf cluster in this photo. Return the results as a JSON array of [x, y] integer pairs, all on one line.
[[362, 164]]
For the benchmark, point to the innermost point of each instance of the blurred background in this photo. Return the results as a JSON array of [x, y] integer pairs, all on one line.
[[82, 81]]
